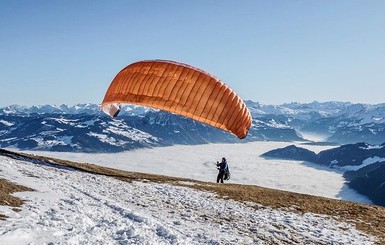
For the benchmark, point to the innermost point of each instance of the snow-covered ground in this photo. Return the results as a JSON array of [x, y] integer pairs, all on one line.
[[246, 166], [72, 207]]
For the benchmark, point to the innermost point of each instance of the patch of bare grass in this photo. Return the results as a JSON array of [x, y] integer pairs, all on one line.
[[6, 197]]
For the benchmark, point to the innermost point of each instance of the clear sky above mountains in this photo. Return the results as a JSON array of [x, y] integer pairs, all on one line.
[[67, 52]]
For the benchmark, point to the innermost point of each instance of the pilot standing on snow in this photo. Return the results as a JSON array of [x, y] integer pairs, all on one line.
[[222, 167]]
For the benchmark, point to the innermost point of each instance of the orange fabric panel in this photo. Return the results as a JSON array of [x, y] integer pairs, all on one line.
[[180, 89]]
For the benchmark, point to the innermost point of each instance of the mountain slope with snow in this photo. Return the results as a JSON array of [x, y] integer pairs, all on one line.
[[84, 128], [340, 122], [73, 206], [89, 132]]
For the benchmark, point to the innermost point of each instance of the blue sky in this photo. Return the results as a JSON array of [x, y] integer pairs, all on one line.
[[273, 52]]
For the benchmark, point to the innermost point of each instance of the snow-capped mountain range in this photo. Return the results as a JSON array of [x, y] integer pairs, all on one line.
[[340, 122], [85, 128]]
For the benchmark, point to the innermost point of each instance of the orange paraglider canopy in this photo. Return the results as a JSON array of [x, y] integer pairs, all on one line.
[[180, 89]]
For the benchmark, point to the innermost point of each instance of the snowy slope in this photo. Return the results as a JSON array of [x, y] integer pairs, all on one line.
[[72, 207]]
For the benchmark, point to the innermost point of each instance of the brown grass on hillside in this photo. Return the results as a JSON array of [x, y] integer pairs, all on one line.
[[367, 218], [6, 199]]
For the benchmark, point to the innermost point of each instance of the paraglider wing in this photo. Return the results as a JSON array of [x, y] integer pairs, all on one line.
[[180, 89]]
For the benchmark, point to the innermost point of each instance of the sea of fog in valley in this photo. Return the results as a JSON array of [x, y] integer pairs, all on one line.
[[246, 166]]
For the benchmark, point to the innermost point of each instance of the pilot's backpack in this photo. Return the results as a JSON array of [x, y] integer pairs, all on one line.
[[227, 174]]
